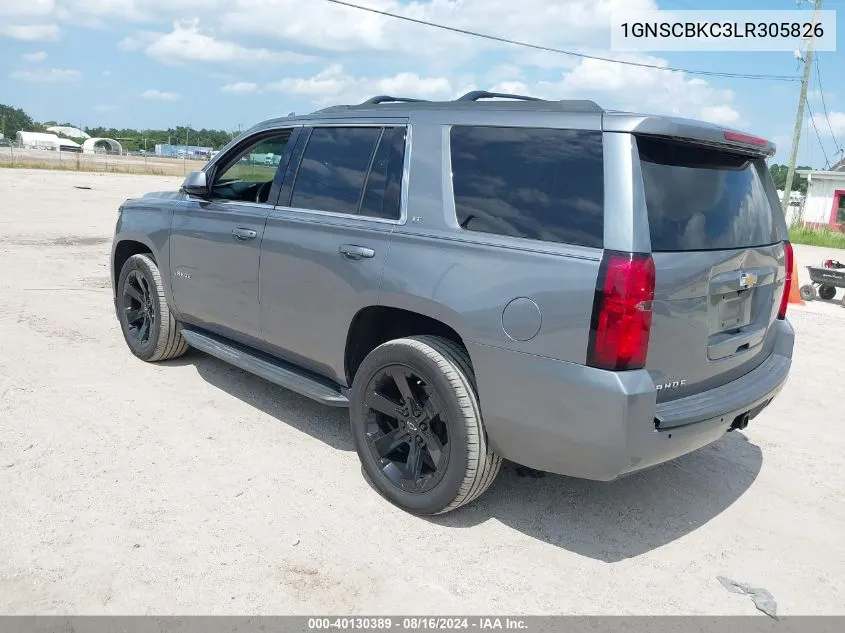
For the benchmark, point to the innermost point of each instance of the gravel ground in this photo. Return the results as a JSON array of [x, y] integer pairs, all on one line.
[[192, 487]]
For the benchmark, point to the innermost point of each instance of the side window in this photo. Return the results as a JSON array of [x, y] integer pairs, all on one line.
[[334, 168], [384, 185], [536, 183], [250, 176]]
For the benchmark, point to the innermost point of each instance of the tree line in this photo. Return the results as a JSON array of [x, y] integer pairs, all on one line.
[[14, 120], [799, 183]]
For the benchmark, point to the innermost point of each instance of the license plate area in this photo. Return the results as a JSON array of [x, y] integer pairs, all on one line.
[[734, 310]]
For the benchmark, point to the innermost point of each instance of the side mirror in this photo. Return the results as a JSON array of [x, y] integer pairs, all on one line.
[[196, 184]]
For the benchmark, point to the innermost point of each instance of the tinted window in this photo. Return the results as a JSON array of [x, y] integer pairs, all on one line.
[[384, 184], [703, 199], [543, 184], [333, 169]]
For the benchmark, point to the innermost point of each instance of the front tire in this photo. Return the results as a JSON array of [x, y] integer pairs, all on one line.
[[417, 426], [149, 328]]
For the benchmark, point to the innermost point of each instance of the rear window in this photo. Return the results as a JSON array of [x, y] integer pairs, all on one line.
[[703, 199], [536, 183]]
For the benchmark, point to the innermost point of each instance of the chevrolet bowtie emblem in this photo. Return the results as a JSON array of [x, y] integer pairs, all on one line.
[[747, 280]]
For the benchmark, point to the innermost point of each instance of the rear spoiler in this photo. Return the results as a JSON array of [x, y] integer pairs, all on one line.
[[688, 130]]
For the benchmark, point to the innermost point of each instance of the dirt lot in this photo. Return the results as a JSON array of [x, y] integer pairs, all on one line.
[[192, 487]]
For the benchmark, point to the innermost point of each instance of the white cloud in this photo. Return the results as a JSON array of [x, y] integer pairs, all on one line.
[[131, 10], [46, 75], [229, 35], [27, 9], [315, 24], [31, 32], [159, 95], [137, 42], [650, 90], [334, 84], [837, 123], [240, 87], [187, 43], [35, 58]]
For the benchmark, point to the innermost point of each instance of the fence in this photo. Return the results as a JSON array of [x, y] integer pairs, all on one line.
[[25, 158]]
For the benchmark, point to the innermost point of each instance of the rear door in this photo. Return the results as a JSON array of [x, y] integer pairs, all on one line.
[[326, 242], [716, 239]]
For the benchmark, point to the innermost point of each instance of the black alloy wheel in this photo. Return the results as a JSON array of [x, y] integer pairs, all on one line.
[[138, 307], [148, 325], [407, 429], [417, 427]]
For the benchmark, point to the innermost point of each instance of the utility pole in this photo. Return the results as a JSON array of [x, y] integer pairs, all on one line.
[[799, 117]]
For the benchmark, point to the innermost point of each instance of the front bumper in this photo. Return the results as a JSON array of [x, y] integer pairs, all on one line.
[[583, 422]]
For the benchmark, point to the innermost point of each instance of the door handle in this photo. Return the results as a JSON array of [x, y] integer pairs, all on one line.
[[244, 234], [356, 252]]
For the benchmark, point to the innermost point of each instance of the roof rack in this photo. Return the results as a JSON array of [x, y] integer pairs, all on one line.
[[566, 105], [387, 99], [475, 95]]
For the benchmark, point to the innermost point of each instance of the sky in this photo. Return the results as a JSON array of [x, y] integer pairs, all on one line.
[[229, 64]]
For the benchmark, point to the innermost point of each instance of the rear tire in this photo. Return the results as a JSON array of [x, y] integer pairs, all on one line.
[[827, 292], [433, 461], [807, 292], [149, 328]]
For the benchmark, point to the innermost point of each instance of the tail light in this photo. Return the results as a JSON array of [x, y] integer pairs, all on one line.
[[621, 321], [787, 280]]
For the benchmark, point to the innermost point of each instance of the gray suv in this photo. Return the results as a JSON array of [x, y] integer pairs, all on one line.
[[580, 291]]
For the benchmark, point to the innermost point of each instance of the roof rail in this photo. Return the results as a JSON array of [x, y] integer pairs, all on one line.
[[387, 99], [475, 95]]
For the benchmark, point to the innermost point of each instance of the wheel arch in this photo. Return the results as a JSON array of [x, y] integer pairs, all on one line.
[[376, 324], [123, 249]]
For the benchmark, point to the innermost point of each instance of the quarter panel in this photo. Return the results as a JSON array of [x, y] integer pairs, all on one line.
[[475, 281]]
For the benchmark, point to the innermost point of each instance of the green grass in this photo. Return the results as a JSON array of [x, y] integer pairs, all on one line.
[[821, 237]]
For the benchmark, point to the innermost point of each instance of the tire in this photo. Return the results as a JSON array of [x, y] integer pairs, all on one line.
[[807, 292], [827, 292], [440, 377], [163, 340]]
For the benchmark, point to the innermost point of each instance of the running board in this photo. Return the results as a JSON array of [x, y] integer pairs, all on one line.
[[277, 372]]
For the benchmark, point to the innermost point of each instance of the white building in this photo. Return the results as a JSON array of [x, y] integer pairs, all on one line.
[[73, 132], [825, 203], [102, 146], [40, 140]]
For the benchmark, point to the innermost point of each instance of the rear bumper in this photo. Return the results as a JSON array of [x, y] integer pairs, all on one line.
[[574, 420]]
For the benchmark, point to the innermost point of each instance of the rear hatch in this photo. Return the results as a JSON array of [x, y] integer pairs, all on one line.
[[719, 263]]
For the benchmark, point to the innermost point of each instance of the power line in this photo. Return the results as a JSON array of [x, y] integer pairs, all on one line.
[[550, 49], [824, 106], [818, 137]]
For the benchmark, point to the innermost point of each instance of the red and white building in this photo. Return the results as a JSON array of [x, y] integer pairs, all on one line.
[[825, 202]]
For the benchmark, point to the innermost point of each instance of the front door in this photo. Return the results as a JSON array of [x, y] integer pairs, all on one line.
[[215, 241]]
